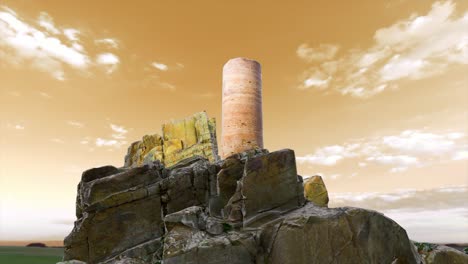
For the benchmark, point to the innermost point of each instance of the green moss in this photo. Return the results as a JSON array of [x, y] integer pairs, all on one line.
[[227, 227], [425, 247]]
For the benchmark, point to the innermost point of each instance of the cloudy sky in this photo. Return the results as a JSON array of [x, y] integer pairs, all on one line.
[[372, 95]]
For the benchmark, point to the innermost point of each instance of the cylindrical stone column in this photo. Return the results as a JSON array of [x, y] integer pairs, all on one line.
[[242, 127]]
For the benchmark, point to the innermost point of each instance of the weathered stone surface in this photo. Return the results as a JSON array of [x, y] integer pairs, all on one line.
[[146, 252], [106, 233], [121, 215], [309, 234], [71, 262], [154, 154], [246, 209], [146, 150], [444, 254], [111, 228], [96, 173], [113, 186], [342, 235], [315, 191], [269, 185], [185, 245], [231, 171], [76, 245], [182, 139], [187, 186], [192, 217]]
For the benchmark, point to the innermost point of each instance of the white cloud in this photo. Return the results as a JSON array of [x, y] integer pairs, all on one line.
[[45, 95], [398, 169], [120, 131], [109, 60], [75, 123], [418, 47], [117, 138], [167, 86], [71, 34], [47, 23], [403, 160], [15, 126], [460, 155], [322, 160], [37, 48], [437, 198], [44, 46], [321, 53], [329, 155], [417, 141], [108, 42], [57, 140], [160, 66], [410, 148], [444, 209], [100, 142]]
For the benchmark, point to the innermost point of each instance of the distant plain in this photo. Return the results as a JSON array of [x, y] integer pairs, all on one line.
[[30, 255]]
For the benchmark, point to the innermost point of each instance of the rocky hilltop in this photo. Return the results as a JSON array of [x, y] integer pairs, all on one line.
[[176, 201]]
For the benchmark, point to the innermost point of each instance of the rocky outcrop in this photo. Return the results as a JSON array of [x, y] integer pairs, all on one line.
[[121, 214], [248, 208], [269, 186], [439, 254], [309, 234], [315, 190], [182, 139]]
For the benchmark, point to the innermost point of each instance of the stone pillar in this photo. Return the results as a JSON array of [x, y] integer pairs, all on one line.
[[242, 127]]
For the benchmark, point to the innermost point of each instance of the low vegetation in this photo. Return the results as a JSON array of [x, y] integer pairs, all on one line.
[[30, 255]]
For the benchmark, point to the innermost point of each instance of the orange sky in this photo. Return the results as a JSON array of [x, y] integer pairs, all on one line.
[[370, 94]]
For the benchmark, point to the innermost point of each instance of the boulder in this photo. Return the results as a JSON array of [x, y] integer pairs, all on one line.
[[443, 254], [315, 191], [269, 186], [310, 234], [315, 234]]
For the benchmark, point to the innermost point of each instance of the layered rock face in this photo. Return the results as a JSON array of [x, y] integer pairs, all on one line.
[[248, 208], [193, 136]]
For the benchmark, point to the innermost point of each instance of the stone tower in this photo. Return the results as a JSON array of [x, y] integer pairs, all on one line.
[[242, 127]]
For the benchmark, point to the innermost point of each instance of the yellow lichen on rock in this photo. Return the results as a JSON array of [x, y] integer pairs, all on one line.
[[197, 136], [138, 151], [315, 191], [182, 139]]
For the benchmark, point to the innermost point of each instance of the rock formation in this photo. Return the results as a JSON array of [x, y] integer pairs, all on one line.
[[435, 254], [175, 201], [247, 208], [193, 136], [242, 125]]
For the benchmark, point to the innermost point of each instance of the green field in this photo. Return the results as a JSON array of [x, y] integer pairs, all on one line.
[[30, 255]]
